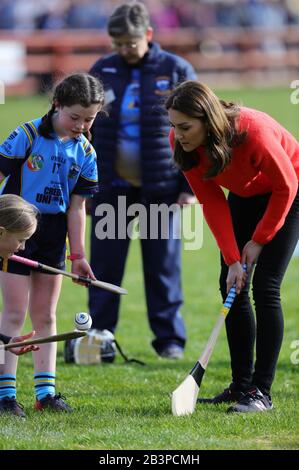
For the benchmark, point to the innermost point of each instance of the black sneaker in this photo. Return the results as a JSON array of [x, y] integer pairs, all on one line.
[[253, 401], [227, 396], [53, 402], [10, 405]]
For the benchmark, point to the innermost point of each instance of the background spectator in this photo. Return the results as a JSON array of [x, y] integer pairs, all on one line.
[[135, 165]]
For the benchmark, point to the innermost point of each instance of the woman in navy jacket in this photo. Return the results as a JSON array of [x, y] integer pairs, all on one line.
[[135, 166]]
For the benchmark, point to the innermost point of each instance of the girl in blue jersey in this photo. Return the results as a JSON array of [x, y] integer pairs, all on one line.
[[51, 164]]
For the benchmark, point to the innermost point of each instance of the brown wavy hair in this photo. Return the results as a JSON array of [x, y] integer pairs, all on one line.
[[196, 100]]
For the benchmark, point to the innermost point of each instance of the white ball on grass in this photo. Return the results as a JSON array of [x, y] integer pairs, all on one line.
[[83, 321]]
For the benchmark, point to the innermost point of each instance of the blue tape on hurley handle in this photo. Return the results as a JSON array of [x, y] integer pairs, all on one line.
[[231, 296]]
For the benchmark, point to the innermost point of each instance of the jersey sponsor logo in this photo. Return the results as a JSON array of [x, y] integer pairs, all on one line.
[[58, 159], [50, 195], [35, 162], [74, 171], [162, 86]]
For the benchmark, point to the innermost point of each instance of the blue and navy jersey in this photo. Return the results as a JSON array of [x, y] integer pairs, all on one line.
[[46, 172]]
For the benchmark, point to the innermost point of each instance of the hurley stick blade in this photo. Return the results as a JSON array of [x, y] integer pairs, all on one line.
[[107, 286], [46, 339], [184, 397]]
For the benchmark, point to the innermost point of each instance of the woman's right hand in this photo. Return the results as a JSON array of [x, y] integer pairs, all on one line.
[[236, 275]]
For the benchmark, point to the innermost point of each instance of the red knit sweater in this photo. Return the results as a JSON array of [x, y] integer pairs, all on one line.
[[267, 161]]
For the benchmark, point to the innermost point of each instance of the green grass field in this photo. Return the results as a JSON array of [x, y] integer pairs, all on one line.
[[128, 406]]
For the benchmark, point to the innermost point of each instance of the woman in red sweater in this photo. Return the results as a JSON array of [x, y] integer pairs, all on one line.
[[218, 144]]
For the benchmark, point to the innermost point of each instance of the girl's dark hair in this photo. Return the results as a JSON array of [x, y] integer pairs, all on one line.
[[78, 88], [197, 100]]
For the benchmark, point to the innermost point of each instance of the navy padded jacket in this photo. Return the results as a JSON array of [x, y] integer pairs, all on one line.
[[160, 71]]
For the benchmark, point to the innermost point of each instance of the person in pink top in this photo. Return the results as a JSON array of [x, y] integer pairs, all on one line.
[[221, 145]]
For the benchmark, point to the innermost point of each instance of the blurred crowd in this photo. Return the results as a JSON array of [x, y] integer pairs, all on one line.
[[165, 14]]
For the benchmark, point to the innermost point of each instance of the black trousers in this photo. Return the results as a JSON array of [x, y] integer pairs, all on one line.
[[267, 330]]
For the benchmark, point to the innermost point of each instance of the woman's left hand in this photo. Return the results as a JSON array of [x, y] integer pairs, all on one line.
[[250, 254], [236, 276], [82, 268]]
